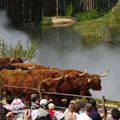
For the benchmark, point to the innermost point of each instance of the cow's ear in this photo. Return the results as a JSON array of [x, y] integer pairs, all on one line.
[[89, 80]]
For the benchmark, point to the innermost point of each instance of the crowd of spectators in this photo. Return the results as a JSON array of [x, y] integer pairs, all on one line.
[[36, 109]]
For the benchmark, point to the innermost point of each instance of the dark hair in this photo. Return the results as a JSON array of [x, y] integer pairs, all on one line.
[[93, 103], [22, 95], [115, 113], [3, 112], [88, 107], [77, 107], [72, 107], [34, 97], [9, 99], [47, 117]]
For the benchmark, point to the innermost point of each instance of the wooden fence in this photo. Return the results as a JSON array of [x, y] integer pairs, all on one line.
[[104, 110]]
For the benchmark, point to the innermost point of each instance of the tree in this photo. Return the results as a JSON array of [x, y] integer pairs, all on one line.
[[57, 7]]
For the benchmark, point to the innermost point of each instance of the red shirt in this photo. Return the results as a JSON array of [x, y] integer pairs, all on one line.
[[51, 112]]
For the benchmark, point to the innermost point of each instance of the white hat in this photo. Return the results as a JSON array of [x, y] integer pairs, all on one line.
[[43, 102], [17, 105]]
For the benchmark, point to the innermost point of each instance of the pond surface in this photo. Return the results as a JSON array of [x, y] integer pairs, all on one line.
[[64, 48]]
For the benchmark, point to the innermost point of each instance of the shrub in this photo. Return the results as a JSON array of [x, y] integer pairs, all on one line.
[[88, 15], [69, 10], [116, 13], [46, 21], [18, 50]]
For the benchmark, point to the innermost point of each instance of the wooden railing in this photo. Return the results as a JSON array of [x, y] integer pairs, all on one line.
[[104, 110]]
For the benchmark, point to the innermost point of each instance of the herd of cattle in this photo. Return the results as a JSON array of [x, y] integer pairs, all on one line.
[[14, 72]]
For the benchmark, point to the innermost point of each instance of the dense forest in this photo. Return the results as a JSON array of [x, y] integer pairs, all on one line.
[[32, 11]]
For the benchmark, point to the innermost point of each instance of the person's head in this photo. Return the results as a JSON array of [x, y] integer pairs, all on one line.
[[43, 103], [17, 105], [34, 97], [51, 106], [115, 113], [77, 107], [88, 108], [9, 99], [72, 107], [22, 96], [93, 103], [28, 104]]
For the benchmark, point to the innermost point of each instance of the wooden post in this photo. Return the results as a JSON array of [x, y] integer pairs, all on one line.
[[104, 110], [40, 92]]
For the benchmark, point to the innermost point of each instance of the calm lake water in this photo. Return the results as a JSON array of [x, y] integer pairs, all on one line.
[[64, 48]]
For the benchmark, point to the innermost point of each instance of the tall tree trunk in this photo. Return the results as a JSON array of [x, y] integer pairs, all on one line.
[[57, 7]]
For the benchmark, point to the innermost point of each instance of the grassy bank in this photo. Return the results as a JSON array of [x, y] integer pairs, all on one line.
[[105, 28], [93, 28]]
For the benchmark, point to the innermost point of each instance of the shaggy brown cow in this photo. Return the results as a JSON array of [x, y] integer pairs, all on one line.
[[8, 61], [26, 78], [11, 67], [79, 85], [36, 67], [66, 72]]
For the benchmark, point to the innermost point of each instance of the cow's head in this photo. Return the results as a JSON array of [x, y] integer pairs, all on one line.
[[18, 60], [94, 81]]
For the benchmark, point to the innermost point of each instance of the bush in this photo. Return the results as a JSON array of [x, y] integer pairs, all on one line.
[[18, 51], [46, 21], [69, 10], [88, 15], [116, 13]]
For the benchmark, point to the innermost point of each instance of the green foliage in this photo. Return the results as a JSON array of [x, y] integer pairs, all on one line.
[[69, 10], [93, 29], [88, 15], [18, 50], [46, 21], [116, 13]]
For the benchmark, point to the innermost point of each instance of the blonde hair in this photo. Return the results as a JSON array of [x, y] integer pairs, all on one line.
[[51, 106]]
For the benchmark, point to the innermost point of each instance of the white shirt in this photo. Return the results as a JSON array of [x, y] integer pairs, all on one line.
[[8, 107], [83, 116]]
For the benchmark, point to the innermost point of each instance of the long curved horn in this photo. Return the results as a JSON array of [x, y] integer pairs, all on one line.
[[66, 76], [25, 58], [104, 74], [30, 68], [58, 78], [83, 72]]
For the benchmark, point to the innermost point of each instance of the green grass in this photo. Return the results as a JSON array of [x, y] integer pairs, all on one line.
[[94, 27], [106, 26]]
